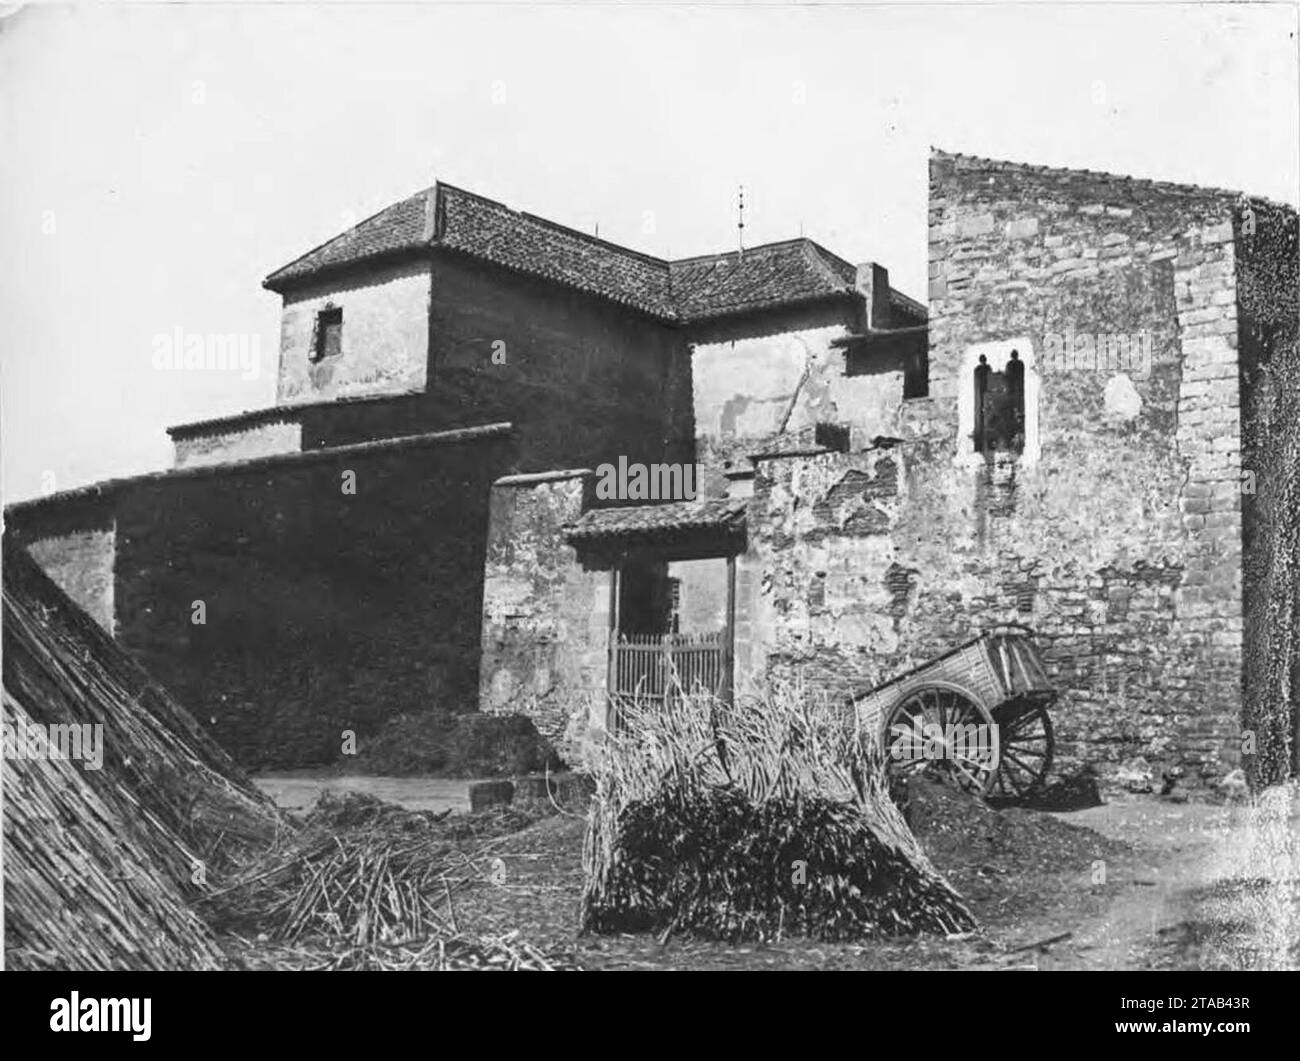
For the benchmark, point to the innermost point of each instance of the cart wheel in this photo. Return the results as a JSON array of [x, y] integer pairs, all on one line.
[[941, 727], [1025, 744]]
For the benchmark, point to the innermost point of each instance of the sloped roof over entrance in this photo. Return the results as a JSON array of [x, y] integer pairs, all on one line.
[[642, 523]]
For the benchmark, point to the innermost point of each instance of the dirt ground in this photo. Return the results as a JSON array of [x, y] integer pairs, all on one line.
[[1138, 884]]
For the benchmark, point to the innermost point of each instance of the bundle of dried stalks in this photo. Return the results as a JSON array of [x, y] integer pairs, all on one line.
[[180, 797], [752, 820], [100, 856], [79, 893]]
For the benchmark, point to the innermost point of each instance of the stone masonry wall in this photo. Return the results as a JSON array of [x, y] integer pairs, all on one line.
[[1117, 535], [545, 618], [1128, 528]]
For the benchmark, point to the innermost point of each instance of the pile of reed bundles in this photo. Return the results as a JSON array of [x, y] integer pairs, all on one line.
[[747, 822], [99, 863], [79, 894]]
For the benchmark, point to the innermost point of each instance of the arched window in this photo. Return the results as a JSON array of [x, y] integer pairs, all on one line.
[[999, 407]]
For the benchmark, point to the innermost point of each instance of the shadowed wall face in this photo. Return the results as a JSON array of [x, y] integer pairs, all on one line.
[[1269, 342], [584, 380], [322, 610]]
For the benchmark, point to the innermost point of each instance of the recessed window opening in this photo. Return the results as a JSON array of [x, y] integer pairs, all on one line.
[[328, 338], [1000, 406], [998, 394]]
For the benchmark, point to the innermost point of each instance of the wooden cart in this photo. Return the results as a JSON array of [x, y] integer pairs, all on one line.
[[978, 712]]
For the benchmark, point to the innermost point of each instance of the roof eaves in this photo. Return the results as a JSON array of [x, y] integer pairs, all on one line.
[[835, 269], [274, 280], [109, 487], [1200, 191], [649, 309], [404, 252], [758, 305]]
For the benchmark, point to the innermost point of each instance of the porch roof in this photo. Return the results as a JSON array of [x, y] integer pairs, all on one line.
[[667, 522]]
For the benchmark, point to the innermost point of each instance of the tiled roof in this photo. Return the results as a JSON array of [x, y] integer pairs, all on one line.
[[797, 270], [1089, 182], [641, 521], [400, 227], [495, 233], [692, 289]]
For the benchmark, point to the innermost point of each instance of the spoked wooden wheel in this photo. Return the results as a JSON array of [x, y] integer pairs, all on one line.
[[943, 728], [1025, 743]]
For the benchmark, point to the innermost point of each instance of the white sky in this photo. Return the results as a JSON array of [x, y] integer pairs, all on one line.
[[186, 151]]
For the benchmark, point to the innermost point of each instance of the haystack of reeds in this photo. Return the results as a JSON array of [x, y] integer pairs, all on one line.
[[99, 862], [748, 821], [79, 893], [178, 794]]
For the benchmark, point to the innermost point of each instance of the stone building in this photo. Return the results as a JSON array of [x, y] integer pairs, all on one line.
[[1141, 516], [1090, 429], [318, 566]]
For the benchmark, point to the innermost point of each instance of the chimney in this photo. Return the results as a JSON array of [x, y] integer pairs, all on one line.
[[873, 285]]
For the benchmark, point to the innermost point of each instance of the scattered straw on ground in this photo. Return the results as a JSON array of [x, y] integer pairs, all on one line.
[[368, 885]]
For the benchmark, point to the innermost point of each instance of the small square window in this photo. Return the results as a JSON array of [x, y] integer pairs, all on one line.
[[328, 339]]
